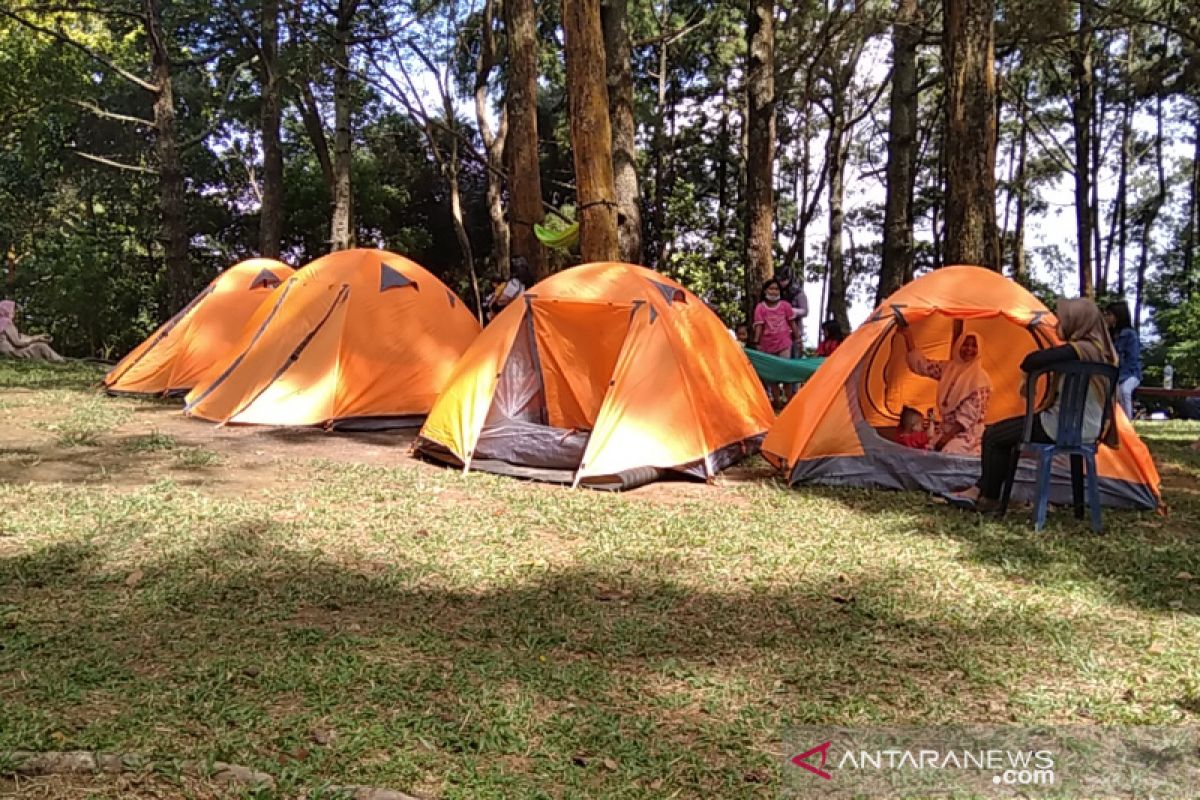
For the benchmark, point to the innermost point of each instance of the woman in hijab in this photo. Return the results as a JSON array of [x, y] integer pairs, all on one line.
[[1081, 326], [962, 393], [14, 343]]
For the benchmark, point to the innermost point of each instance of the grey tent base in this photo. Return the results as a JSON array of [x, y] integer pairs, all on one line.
[[169, 394], [915, 470], [621, 481], [364, 424]]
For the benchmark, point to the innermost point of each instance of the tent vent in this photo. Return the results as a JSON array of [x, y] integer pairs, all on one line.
[[452, 298], [653, 314], [265, 278], [391, 278], [670, 293]]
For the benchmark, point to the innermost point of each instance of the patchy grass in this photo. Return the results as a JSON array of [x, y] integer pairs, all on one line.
[[196, 458], [456, 636], [150, 442]]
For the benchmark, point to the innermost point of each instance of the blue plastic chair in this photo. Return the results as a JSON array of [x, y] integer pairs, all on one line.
[[1075, 377]]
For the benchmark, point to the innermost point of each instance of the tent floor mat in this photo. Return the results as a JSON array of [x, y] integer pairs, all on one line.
[[624, 481]]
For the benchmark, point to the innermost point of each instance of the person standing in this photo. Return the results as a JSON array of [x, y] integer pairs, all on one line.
[[775, 330], [792, 290], [1129, 352]]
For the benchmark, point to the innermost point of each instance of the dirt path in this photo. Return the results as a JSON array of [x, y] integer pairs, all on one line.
[[154, 440]]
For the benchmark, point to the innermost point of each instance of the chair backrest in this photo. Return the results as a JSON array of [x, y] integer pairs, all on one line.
[[1075, 378]]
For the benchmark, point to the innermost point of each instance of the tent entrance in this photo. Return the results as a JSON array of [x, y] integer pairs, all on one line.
[[886, 383], [552, 386]]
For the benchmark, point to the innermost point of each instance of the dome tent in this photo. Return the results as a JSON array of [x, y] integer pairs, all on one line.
[[606, 375], [835, 430], [180, 353], [357, 339]]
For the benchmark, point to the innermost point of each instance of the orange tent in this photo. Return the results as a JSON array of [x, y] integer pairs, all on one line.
[[357, 339], [836, 429], [604, 375], [177, 355]]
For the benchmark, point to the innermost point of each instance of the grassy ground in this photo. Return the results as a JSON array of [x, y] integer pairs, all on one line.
[[171, 590]]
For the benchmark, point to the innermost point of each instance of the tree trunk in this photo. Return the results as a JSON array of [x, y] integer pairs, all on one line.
[[760, 145], [524, 173], [1097, 134], [493, 142], [1192, 229], [591, 134], [660, 144], [1150, 213], [270, 231], [171, 188], [970, 142], [902, 152], [836, 158], [723, 173], [1020, 272], [617, 53], [310, 113], [341, 229], [1081, 119], [1117, 230]]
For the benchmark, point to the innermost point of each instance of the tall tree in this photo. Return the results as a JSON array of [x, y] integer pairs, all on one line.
[[968, 55], [524, 168], [902, 152], [271, 218], [341, 229], [175, 235], [617, 53], [760, 146], [591, 133], [1081, 117], [493, 141]]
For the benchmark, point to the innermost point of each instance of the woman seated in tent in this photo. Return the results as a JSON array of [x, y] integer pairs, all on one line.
[[14, 343], [1081, 326], [962, 393]]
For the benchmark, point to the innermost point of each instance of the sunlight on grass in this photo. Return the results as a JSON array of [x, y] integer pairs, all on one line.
[[475, 636]]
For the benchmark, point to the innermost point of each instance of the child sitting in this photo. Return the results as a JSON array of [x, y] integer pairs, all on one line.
[[912, 429]]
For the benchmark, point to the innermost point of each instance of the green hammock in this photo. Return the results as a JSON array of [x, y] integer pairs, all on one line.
[[774, 369], [560, 239]]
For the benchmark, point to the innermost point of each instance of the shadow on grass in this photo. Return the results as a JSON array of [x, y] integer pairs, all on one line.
[[239, 648]]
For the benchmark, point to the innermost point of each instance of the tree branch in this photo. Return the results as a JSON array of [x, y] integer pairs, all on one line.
[[89, 52], [100, 112], [108, 162]]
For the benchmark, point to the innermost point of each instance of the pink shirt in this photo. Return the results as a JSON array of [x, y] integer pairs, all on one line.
[[777, 328]]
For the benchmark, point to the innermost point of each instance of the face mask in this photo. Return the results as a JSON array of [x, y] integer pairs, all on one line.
[[772, 296]]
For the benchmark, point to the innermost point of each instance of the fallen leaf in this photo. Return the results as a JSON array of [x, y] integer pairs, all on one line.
[[1156, 647], [837, 598], [134, 578], [609, 764], [421, 534], [251, 671], [579, 760], [656, 784], [1184, 576], [324, 737]]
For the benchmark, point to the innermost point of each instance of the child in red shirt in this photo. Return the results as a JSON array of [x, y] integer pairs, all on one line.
[[912, 429]]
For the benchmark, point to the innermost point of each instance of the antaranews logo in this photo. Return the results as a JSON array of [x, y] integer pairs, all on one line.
[[801, 760], [1010, 766], [829, 762]]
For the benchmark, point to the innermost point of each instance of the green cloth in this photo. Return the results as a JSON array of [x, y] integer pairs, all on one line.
[[774, 369]]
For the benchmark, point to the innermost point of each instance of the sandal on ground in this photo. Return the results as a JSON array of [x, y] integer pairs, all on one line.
[[958, 501]]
